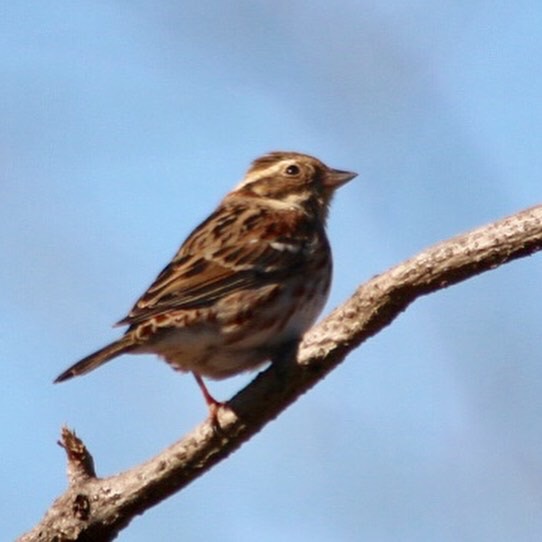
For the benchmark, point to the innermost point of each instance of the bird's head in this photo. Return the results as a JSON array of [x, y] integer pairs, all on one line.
[[293, 180]]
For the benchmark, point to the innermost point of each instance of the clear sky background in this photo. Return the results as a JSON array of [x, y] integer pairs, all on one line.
[[122, 124]]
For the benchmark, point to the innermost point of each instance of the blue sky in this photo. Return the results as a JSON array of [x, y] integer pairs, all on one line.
[[124, 123]]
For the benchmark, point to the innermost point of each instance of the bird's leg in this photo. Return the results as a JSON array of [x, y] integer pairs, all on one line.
[[212, 403], [283, 357]]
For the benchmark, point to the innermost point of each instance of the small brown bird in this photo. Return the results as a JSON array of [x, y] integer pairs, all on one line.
[[249, 280]]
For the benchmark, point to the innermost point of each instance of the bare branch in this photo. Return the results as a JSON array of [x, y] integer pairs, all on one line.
[[97, 509]]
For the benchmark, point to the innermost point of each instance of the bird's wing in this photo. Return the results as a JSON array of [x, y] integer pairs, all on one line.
[[216, 261]]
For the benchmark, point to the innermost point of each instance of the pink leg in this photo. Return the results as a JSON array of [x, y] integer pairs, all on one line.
[[212, 403]]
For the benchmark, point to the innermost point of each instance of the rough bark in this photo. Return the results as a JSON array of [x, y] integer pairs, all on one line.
[[98, 508]]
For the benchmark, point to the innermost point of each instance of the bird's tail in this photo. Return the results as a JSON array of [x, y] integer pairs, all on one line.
[[124, 344]]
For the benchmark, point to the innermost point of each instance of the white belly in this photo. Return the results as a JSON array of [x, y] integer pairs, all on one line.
[[237, 339]]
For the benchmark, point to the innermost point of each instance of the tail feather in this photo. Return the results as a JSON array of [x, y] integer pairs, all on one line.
[[124, 344]]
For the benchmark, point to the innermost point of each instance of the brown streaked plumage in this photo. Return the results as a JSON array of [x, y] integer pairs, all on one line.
[[250, 279]]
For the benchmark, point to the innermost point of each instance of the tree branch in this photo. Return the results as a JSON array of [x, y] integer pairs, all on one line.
[[97, 509]]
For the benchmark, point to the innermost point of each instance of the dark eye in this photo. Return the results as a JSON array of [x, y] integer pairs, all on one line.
[[292, 170]]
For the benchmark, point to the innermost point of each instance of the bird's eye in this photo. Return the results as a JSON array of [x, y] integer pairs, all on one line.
[[292, 170]]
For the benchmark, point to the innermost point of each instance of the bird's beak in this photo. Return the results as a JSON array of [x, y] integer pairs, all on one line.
[[336, 178]]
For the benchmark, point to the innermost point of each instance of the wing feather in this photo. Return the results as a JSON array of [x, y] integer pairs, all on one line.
[[221, 257]]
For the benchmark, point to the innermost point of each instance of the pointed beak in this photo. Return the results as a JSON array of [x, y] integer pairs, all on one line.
[[336, 178]]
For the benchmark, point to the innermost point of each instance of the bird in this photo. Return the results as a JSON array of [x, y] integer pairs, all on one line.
[[248, 281]]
